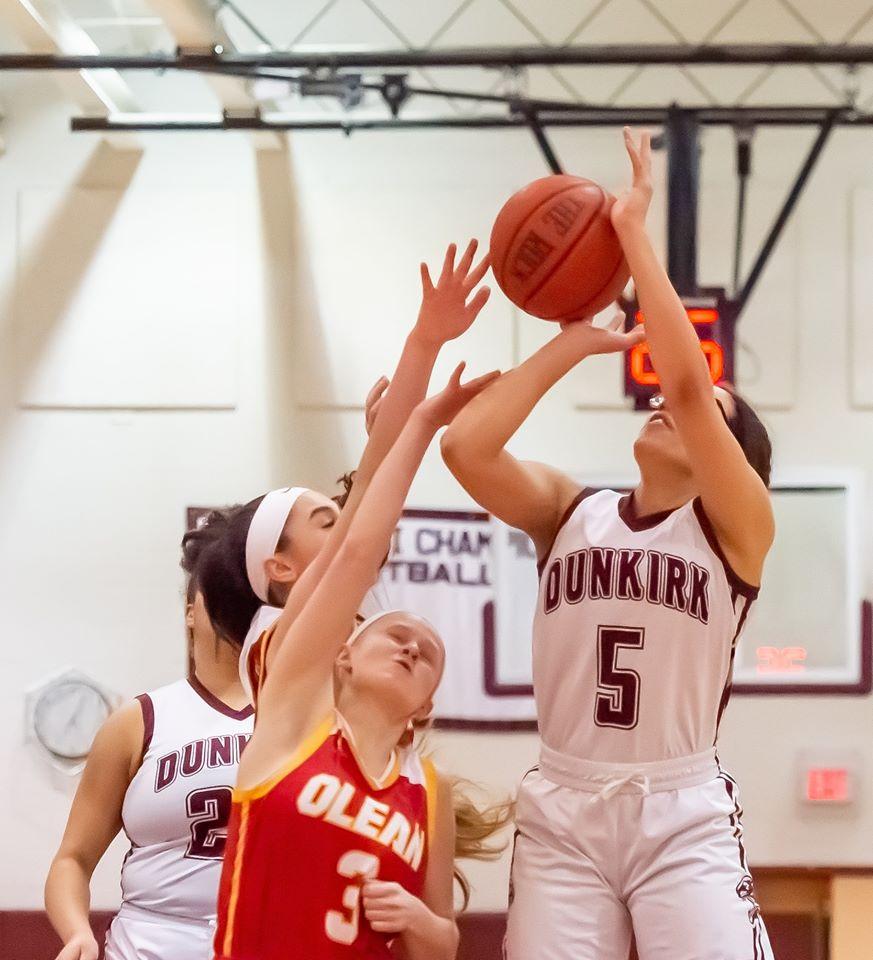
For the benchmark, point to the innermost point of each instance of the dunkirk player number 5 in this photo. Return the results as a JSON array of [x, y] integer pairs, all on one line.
[[617, 703]]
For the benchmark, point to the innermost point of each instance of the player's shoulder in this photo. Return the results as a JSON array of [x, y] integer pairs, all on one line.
[[586, 500]]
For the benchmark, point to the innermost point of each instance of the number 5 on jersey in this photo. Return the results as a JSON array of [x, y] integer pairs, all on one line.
[[617, 703]]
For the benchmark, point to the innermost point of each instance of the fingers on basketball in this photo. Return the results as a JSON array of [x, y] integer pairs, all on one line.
[[479, 301], [477, 273]]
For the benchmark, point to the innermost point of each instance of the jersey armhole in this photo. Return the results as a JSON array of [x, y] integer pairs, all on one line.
[[303, 752], [148, 722], [583, 494], [734, 579]]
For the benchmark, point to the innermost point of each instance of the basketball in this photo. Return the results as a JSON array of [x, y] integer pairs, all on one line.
[[554, 252]]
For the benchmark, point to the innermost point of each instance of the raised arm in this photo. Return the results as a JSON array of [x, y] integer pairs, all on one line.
[[95, 819], [447, 311], [526, 495], [293, 696], [733, 495]]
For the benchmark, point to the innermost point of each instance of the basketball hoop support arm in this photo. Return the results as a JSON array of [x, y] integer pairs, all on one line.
[[784, 214]]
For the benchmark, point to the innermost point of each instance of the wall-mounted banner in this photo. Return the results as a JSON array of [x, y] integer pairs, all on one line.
[[475, 579]]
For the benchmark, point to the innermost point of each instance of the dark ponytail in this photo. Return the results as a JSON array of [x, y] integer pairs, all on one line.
[[216, 553], [751, 434]]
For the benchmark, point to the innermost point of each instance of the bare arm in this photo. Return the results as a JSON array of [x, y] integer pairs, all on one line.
[[445, 314], [293, 698], [426, 927], [530, 496], [733, 495], [94, 821]]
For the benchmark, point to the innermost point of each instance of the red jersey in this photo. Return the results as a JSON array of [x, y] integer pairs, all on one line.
[[300, 845]]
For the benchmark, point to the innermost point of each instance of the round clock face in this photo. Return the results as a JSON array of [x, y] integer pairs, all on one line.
[[67, 716]]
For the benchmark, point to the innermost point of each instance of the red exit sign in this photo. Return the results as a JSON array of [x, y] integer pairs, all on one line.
[[828, 785], [713, 321]]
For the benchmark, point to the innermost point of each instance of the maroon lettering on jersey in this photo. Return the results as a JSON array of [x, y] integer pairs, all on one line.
[[193, 755], [653, 581], [576, 581], [602, 564], [603, 573], [220, 752], [674, 583], [553, 586], [167, 767], [629, 586], [698, 603]]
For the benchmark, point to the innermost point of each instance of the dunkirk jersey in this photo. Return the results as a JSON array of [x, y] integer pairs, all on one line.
[[301, 844], [177, 806], [634, 634]]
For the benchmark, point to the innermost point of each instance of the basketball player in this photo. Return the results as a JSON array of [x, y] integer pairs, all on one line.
[[268, 545], [340, 841], [628, 823], [161, 769]]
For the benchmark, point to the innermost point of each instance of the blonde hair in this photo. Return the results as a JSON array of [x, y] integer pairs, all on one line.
[[475, 829]]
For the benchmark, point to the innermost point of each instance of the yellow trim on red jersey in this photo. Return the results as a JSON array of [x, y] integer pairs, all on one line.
[[227, 945], [431, 788], [300, 755]]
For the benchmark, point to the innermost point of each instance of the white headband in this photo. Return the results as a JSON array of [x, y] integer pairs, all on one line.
[[361, 627], [264, 533]]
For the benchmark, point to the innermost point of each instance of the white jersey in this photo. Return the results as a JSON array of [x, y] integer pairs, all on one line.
[[634, 634], [178, 804]]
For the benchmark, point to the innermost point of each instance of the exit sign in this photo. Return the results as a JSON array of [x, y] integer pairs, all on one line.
[[829, 776], [828, 785], [713, 318]]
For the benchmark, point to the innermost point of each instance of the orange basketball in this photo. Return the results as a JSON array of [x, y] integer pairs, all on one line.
[[554, 252]]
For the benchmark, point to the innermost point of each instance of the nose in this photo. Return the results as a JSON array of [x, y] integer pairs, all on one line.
[[412, 650]]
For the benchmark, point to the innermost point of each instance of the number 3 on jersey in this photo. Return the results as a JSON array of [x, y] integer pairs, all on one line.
[[617, 703], [357, 866]]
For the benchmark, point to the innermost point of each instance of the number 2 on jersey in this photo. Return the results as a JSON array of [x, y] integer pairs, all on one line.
[[617, 703], [357, 866], [209, 811]]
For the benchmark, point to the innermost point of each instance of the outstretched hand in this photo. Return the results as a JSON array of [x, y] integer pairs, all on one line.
[[445, 313], [631, 205], [611, 338], [444, 406]]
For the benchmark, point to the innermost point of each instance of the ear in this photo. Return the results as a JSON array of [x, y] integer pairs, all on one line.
[[280, 570], [189, 616], [344, 661]]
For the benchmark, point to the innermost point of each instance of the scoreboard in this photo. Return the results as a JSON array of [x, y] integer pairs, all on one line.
[[713, 317]]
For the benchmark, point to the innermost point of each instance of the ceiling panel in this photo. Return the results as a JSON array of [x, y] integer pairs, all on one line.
[[625, 21], [764, 21], [486, 23]]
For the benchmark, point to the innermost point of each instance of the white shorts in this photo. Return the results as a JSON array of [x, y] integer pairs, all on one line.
[[137, 934], [655, 849]]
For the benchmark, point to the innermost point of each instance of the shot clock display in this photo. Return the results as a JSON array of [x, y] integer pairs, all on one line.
[[714, 319]]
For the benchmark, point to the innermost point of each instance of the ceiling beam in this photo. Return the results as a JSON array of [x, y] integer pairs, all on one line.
[[195, 34], [47, 29], [194, 26]]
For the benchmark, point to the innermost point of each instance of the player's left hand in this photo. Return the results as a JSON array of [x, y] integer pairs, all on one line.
[[590, 340], [445, 313], [390, 908], [631, 206]]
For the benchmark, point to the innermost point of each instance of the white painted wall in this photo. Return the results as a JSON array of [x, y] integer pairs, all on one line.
[[326, 245]]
